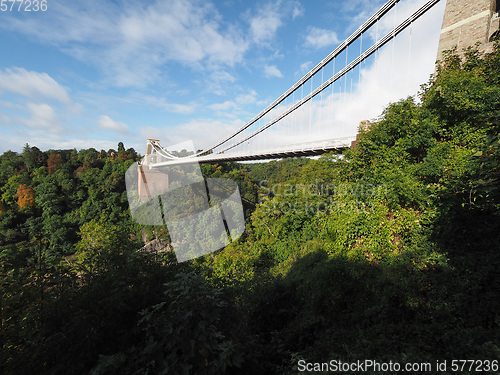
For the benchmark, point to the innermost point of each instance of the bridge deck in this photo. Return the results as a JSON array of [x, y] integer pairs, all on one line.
[[302, 149]]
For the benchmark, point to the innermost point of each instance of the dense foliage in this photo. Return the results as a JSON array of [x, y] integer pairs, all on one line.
[[389, 252]]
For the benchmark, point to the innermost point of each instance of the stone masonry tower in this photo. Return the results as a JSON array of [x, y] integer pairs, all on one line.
[[467, 22]]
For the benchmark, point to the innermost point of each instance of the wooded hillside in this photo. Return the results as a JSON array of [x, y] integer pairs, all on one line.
[[389, 252]]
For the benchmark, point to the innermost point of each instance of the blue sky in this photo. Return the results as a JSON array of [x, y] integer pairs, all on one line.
[[96, 72]]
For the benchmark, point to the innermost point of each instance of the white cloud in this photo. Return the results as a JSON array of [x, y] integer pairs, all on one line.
[[223, 106], [106, 122], [183, 109], [43, 118], [319, 38], [218, 81], [180, 108], [5, 120], [233, 108], [222, 76], [32, 85], [297, 11], [248, 98], [153, 132], [230, 108], [264, 25], [272, 71], [269, 18], [305, 67]]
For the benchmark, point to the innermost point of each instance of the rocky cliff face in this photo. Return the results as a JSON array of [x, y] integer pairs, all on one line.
[[157, 246]]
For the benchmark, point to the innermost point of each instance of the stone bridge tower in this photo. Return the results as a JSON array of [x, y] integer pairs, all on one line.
[[467, 22]]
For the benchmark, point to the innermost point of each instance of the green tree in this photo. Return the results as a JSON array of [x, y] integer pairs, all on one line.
[[88, 158], [121, 147], [10, 163], [33, 157]]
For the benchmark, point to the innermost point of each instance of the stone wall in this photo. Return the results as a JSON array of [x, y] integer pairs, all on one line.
[[467, 22], [364, 126]]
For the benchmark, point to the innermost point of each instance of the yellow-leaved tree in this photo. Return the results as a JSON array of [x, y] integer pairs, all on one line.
[[25, 197]]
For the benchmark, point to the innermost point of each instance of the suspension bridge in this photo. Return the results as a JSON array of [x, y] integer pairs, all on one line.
[[167, 188], [301, 121]]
